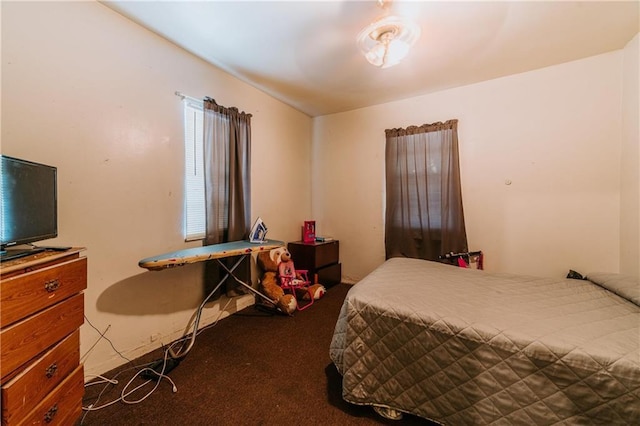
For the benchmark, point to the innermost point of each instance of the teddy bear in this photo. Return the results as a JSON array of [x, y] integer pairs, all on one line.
[[270, 262]]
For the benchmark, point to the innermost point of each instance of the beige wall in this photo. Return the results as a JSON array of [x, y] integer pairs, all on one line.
[[630, 175], [554, 133], [92, 93]]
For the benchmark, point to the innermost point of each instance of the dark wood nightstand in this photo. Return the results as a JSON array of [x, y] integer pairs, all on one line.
[[322, 260]]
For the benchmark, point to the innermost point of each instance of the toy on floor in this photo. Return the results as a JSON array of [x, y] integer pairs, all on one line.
[[268, 261], [297, 282], [271, 281]]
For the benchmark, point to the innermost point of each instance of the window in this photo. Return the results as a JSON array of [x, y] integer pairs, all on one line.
[[195, 210], [194, 217], [216, 201], [417, 179], [424, 216]]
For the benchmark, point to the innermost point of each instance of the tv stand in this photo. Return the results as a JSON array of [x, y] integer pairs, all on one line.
[[54, 248], [11, 253]]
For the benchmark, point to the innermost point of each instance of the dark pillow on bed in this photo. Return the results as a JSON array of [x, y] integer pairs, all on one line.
[[623, 285]]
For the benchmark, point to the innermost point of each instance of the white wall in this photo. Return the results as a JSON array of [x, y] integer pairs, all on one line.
[[630, 163], [90, 92], [554, 133]]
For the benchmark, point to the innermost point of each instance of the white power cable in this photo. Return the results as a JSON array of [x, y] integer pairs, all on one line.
[[125, 393]]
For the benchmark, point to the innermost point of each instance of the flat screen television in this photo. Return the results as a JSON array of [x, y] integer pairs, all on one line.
[[28, 206]]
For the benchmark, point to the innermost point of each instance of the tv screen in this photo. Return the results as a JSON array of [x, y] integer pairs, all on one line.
[[28, 202]]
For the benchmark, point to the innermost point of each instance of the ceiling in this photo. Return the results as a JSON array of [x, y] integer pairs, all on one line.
[[304, 52]]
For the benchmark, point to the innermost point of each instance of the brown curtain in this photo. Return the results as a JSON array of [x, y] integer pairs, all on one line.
[[424, 216], [227, 168]]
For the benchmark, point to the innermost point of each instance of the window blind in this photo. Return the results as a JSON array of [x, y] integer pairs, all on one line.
[[194, 218]]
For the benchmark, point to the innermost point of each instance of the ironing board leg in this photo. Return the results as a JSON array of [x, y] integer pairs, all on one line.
[[229, 273], [239, 281]]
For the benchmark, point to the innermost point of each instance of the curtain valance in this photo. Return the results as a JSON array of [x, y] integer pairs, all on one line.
[[425, 128], [210, 103]]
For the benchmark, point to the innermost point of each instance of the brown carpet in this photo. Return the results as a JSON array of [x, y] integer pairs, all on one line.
[[252, 368]]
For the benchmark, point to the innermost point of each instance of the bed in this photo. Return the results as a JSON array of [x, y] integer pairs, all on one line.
[[463, 346]]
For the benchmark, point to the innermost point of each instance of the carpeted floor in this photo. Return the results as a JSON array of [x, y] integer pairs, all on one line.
[[252, 368]]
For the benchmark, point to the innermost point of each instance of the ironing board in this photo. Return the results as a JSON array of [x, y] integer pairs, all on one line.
[[204, 253], [211, 252]]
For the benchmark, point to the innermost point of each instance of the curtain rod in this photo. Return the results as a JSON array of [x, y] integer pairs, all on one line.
[[183, 96]]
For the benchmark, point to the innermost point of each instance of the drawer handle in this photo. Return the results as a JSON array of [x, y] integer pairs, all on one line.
[[51, 370], [49, 415], [52, 285]]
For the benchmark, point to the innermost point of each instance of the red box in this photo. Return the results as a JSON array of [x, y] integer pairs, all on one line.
[[309, 231]]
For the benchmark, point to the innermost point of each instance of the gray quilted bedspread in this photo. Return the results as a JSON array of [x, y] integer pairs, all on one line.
[[462, 346]]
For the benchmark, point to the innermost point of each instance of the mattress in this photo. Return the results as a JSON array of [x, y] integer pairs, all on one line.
[[463, 346]]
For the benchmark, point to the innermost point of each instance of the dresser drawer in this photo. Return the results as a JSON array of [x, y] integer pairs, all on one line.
[[327, 253], [314, 255], [329, 275], [25, 294], [40, 378], [62, 406], [28, 338]]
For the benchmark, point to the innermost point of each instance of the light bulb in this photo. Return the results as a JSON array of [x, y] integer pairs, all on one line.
[[376, 55], [387, 41], [396, 51]]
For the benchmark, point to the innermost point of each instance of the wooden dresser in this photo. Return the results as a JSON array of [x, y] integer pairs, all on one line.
[[41, 311], [322, 260]]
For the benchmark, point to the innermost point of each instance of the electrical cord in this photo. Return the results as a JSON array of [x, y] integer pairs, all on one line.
[[160, 375], [191, 337], [125, 392], [102, 336], [143, 369], [112, 382], [104, 380]]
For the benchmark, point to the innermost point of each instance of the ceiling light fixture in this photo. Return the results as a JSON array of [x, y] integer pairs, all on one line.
[[387, 41]]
